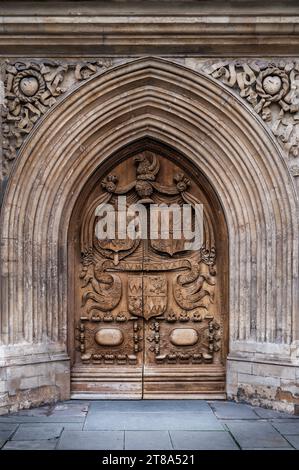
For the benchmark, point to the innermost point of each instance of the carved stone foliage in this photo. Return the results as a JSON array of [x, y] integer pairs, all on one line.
[[272, 89], [31, 88]]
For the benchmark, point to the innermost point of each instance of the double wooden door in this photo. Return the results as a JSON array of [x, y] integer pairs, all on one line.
[[149, 312]]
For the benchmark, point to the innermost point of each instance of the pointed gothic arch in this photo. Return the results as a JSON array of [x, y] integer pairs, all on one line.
[[219, 133]]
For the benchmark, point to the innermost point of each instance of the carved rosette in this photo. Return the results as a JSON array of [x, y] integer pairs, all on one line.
[[272, 90], [31, 88]]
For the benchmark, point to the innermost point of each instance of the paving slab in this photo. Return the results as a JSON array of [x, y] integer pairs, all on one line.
[[286, 426], [40, 411], [151, 421], [151, 406], [147, 440], [73, 426], [256, 434], [272, 414], [31, 445], [228, 410], [267, 448], [149, 425], [2, 442], [91, 440], [294, 440], [72, 413], [67, 410], [16, 418], [8, 426], [76, 402], [4, 435], [202, 440], [37, 432], [70, 426]]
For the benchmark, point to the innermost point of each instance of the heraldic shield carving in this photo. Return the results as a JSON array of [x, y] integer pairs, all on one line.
[[147, 295], [149, 319]]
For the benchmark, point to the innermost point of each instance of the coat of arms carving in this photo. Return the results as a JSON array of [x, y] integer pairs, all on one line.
[[147, 295]]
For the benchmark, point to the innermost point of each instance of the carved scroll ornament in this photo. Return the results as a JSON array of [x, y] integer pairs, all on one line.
[[31, 88], [272, 90]]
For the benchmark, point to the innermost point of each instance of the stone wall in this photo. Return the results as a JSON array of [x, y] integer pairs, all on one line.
[[264, 384], [33, 384]]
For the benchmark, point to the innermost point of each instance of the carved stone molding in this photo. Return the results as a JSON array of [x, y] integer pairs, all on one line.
[[167, 27], [32, 87], [271, 88]]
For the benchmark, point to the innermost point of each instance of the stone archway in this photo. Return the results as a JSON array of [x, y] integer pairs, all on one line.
[[190, 112]]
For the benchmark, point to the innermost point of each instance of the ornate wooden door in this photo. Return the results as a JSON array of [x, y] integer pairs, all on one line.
[[149, 313]]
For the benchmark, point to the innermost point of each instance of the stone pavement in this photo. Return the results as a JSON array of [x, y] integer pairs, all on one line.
[[149, 425]]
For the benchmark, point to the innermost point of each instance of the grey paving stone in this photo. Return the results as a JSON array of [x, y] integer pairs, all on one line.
[[40, 411], [70, 426], [30, 445], [41, 425], [286, 426], [228, 410], [8, 426], [256, 434], [67, 410], [294, 440], [149, 425], [147, 440], [73, 426], [76, 402], [151, 421], [150, 406], [72, 413], [272, 414], [16, 418], [202, 440], [91, 440], [37, 433], [4, 435], [267, 448]]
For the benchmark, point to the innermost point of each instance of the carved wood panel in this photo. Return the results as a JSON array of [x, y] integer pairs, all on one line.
[[149, 320]]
